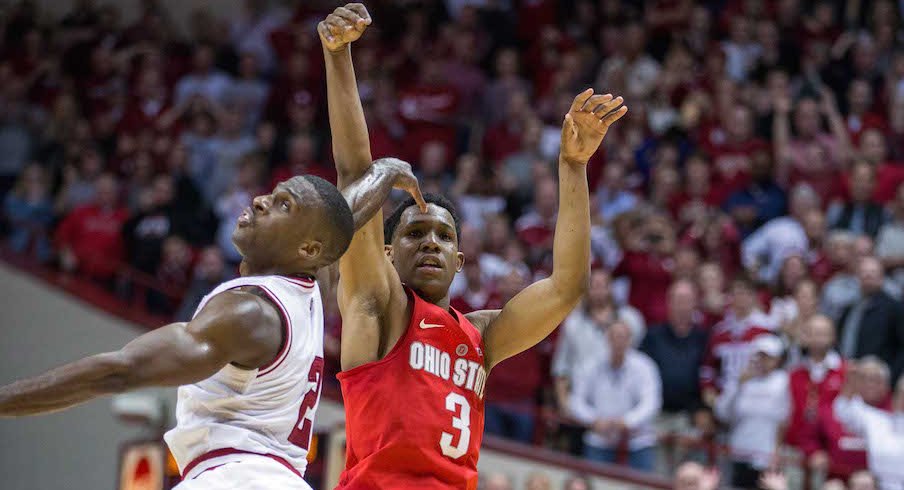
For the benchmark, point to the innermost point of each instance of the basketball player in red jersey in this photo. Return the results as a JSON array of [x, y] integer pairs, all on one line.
[[414, 369]]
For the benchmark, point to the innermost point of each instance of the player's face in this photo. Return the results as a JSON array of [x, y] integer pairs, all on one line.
[[425, 251], [274, 227]]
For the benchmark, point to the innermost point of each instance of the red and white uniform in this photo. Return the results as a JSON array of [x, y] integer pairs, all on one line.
[[729, 350], [254, 425], [414, 419]]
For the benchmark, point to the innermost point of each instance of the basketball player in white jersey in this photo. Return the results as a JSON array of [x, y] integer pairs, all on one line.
[[250, 360]]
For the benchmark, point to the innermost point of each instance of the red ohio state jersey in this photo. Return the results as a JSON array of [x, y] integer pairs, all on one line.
[[414, 419]]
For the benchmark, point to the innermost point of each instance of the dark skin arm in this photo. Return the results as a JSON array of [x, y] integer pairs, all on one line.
[[370, 296], [536, 311], [234, 327]]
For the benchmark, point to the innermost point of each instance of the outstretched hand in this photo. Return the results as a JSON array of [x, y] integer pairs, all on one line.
[[344, 26], [587, 123], [405, 179]]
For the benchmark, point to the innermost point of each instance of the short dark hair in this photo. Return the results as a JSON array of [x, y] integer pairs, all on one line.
[[392, 221], [339, 219]]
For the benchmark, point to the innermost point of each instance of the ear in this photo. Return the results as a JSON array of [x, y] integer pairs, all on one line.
[[387, 249], [310, 251], [459, 261]]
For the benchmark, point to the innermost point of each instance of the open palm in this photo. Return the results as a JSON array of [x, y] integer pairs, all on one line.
[[587, 123]]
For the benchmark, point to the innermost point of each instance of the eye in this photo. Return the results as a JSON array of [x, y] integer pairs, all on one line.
[[285, 205], [415, 233], [446, 236]]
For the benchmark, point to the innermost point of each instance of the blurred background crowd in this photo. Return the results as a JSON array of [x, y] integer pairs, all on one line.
[[748, 238]]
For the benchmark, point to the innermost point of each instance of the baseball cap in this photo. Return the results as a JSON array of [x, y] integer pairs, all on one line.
[[768, 344]]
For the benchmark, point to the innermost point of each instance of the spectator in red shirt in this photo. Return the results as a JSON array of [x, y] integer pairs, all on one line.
[[512, 392], [429, 108], [648, 263], [536, 228], [504, 139], [860, 115], [814, 386], [732, 146], [300, 160], [90, 237], [889, 175]]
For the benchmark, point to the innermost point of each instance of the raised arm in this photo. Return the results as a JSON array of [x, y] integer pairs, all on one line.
[[235, 327], [535, 312], [351, 143]]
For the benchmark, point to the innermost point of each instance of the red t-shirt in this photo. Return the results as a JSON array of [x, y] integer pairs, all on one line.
[[414, 419], [650, 277], [807, 401], [95, 236]]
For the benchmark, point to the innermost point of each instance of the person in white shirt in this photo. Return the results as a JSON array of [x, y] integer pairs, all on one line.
[[764, 251], [883, 431], [619, 396], [755, 408]]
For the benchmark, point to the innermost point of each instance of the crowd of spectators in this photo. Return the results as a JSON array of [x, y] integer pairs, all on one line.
[[748, 214]]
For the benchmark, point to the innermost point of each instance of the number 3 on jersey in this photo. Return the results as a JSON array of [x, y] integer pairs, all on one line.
[[462, 422], [301, 436]]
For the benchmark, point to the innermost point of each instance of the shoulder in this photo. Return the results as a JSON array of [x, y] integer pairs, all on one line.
[[642, 361], [481, 319], [238, 314]]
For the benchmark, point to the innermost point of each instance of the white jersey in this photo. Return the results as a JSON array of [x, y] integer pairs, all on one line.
[[266, 411]]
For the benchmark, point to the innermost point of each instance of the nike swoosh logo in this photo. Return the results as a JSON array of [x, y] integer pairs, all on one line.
[[424, 324]]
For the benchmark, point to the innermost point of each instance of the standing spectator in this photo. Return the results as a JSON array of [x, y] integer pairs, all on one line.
[[583, 338], [28, 212], [229, 147], [512, 396], [618, 397], [731, 341], [890, 242], [508, 80], [248, 92], [209, 272], [90, 237], [677, 348], [648, 263], [536, 228], [760, 201], [813, 157], [231, 204], [861, 215], [755, 406], [713, 299], [874, 324], [814, 385], [157, 219], [764, 251], [794, 331], [883, 431]]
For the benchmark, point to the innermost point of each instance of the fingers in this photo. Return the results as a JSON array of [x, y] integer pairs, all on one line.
[[607, 106], [347, 15], [418, 197], [581, 99], [614, 116], [325, 31], [568, 129], [362, 12], [596, 101]]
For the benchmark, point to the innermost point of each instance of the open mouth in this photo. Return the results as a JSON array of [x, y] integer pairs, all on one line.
[[430, 263]]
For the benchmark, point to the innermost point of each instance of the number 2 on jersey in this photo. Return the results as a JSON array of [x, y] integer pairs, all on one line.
[[301, 436], [462, 422]]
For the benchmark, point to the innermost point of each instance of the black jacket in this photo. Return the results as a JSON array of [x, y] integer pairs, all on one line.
[[882, 333], [679, 360]]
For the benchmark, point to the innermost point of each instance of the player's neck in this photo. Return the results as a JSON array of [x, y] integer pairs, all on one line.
[[249, 268], [443, 302]]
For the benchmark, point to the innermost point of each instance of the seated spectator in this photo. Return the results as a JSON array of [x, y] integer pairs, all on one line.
[[698, 196], [496, 481], [731, 340], [577, 482], [760, 201], [860, 215], [90, 237], [874, 324], [677, 347], [864, 480], [764, 251], [538, 481], [755, 406], [28, 212], [713, 300], [814, 385], [157, 219], [693, 476], [883, 430], [618, 398]]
